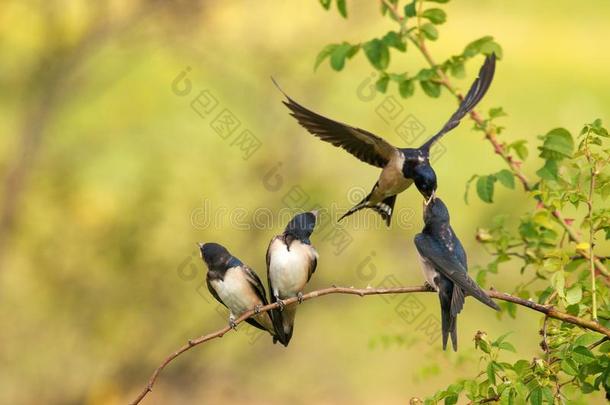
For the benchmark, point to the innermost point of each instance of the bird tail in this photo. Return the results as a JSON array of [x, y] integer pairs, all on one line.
[[449, 327], [451, 297], [283, 323], [278, 327], [385, 208]]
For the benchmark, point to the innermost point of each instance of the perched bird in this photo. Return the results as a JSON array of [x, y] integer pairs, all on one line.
[[291, 260], [236, 286], [445, 267], [401, 166]]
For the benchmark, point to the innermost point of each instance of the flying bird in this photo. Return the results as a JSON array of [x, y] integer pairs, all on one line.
[[291, 260], [401, 167], [236, 286], [445, 268]]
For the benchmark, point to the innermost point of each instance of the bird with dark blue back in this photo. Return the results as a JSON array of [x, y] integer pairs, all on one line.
[[445, 268], [401, 167], [236, 286]]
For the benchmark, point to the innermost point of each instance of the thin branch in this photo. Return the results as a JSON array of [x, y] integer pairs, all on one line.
[[549, 311]]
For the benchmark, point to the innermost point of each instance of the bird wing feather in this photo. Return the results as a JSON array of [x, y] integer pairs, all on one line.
[[364, 145], [477, 90], [450, 266]]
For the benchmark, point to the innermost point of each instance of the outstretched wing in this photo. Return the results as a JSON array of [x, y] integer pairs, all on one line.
[[474, 95], [447, 263], [364, 145]]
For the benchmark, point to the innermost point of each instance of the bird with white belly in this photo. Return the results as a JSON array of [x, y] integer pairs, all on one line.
[[291, 260], [236, 286]]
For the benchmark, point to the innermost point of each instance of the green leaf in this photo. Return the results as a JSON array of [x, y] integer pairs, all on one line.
[[382, 83], [558, 281], [491, 373], [492, 47], [438, 1], [521, 367], [582, 355], [547, 393], [410, 10], [485, 188], [324, 53], [342, 7], [339, 54], [587, 338], [496, 112], [393, 39], [550, 170], [574, 294], [604, 347], [377, 53], [484, 346], [507, 397], [536, 396], [426, 74], [326, 3], [457, 69], [474, 47], [485, 45], [507, 346], [506, 177], [569, 367], [430, 31], [558, 144], [502, 338], [431, 88], [519, 148], [406, 88], [435, 15], [451, 400]]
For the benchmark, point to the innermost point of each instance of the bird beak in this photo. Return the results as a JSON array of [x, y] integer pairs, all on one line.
[[429, 200], [199, 244]]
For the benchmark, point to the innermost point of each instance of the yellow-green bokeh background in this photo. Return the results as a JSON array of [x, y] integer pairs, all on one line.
[[90, 295]]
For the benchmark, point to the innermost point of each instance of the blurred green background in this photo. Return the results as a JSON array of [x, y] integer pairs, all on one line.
[[110, 177]]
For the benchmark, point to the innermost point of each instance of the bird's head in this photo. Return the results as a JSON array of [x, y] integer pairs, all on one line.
[[435, 211], [301, 226], [414, 156], [214, 255], [412, 159]]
